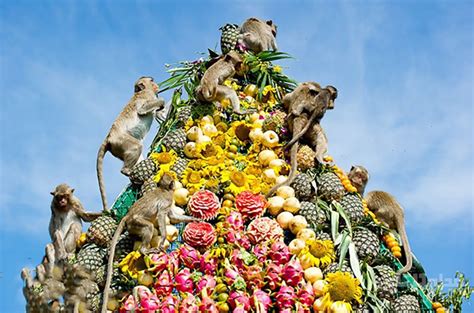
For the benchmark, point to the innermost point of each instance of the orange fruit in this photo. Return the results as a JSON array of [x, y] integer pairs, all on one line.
[[397, 255], [228, 203], [436, 305], [396, 249], [392, 244], [440, 310]]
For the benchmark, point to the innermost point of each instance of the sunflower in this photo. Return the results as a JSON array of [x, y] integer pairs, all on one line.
[[165, 161], [268, 94], [188, 125], [133, 264], [238, 180], [319, 253], [192, 179], [343, 287], [208, 149], [239, 129], [232, 84]]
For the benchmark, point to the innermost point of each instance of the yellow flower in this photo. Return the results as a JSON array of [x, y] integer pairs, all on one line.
[[232, 84], [319, 253], [192, 179], [188, 125], [208, 150], [133, 264], [165, 160], [343, 287], [277, 68], [238, 180], [268, 89], [212, 183], [239, 129]]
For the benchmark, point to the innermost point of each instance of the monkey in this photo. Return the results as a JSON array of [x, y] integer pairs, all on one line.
[[125, 138], [79, 283], [257, 35], [65, 225], [306, 106], [149, 210], [391, 214], [211, 87], [358, 176]]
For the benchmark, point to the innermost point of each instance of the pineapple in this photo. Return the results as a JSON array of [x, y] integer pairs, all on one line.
[[352, 205], [312, 213], [143, 171], [306, 158], [184, 114], [334, 267], [179, 166], [124, 246], [229, 35], [302, 186], [387, 281], [275, 122], [323, 236], [102, 230], [175, 139], [362, 308], [149, 185], [330, 187], [91, 257], [94, 300], [367, 244], [406, 304]]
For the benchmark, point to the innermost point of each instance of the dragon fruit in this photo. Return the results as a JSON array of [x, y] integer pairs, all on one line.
[[273, 278], [260, 251], [235, 220], [260, 300], [169, 304], [293, 272], [285, 298], [148, 300], [253, 276], [129, 304], [279, 252], [306, 294], [183, 281], [207, 264], [206, 281], [189, 256], [164, 284], [239, 299], [207, 304], [158, 262], [189, 304]]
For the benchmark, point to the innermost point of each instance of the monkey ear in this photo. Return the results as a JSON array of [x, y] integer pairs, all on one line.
[[139, 87], [313, 92], [270, 22], [53, 193], [72, 190]]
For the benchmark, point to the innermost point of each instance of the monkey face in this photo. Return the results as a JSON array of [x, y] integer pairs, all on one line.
[[146, 83], [61, 195], [359, 176]]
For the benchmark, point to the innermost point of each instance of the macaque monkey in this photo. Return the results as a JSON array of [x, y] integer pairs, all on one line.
[[257, 35], [390, 212], [211, 87], [125, 138], [306, 106], [359, 176], [150, 210], [67, 213]]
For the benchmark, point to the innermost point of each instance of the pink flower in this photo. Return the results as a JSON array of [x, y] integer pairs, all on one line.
[[260, 300], [183, 281], [189, 304], [189, 256], [293, 272], [204, 204], [206, 281], [263, 229], [164, 285], [239, 299], [279, 252], [200, 235], [285, 298], [250, 205]]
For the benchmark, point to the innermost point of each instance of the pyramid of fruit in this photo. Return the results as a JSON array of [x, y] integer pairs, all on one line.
[[313, 246]]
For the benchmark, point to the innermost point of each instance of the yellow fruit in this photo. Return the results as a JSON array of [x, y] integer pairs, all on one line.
[[397, 255], [396, 249], [312, 274], [229, 196], [392, 244], [440, 310], [436, 305], [145, 279], [233, 148], [328, 158], [228, 203]]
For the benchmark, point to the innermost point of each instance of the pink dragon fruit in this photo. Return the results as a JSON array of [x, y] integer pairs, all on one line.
[[279, 252], [207, 264], [169, 304], [273, 278], [206, 281], [260, 301], [235, 220], [129, 304], [231, 274], [293, 272], [207, 304], [189, 304], [157, 262], [285, 298], [306, 294], [183, 281], [189, 256], [261, 251], [253, 276], [164, 284], [239, 298], [244, 242]]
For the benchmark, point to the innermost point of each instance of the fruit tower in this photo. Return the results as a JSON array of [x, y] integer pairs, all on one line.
[[313, 246]]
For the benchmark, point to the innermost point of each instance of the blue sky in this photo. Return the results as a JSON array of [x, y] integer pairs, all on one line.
[[404, 71]]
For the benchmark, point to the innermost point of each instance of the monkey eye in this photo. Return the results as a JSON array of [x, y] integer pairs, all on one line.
[[313, 92]]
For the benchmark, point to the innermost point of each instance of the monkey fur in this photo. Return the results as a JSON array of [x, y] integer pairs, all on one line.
[[150, 210], [306, 106], [358, 176], [67, 213], [211, 87], [257, 35], [390, 212], [125, 138]]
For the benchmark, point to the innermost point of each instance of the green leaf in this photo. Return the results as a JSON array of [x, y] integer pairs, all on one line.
[[341, 211], [354, 260], [334, 225], [346, 241], [371, 279]]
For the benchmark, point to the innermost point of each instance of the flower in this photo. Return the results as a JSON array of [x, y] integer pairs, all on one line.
[[165, 160], [192, 179], [204, 204], [263, 229], [200, 235], [277, 68], [343, 287], [319, 253], [238, 181], [250, 205], [132, 264]]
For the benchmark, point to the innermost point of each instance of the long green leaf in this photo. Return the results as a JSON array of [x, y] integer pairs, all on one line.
[[354, 260], [341, 211], [346, 240], [371, 277], [334, 225]]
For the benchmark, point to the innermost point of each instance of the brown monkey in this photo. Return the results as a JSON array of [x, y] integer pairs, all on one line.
[[65, 225], [359, 176], [306, 106], [125, 138], [211, 87], [257, 35], [149, 210], [390, 212]]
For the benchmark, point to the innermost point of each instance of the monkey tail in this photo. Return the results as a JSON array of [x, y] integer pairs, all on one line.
[[291, 176], [110, 263], [100, 160], [304, 130], [406, 248]]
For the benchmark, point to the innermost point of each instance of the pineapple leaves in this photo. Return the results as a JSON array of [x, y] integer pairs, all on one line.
[[355, 265], [334, 225]]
